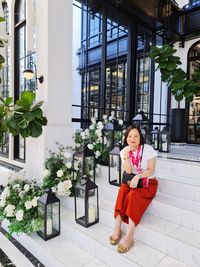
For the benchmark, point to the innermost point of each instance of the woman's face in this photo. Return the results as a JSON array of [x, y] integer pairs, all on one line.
[[133, 138]]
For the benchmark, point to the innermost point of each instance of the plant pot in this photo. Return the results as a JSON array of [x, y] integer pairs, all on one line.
[[178, 125]]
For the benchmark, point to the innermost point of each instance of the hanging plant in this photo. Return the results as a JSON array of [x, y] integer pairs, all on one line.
[[174, 76]]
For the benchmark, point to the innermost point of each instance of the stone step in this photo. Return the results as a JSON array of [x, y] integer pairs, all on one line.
[[182, 211], [169, 238]]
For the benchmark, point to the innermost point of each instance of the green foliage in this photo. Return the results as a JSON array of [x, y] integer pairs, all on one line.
[[18, 205], [175, 77]]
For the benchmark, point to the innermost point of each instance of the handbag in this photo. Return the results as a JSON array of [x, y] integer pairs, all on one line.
[[143, 182]]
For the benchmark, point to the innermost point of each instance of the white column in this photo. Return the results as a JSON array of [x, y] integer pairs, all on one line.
[[54, 62]]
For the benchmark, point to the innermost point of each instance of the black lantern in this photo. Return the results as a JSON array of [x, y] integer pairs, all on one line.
[[87, 159], [155, 138], [112, 133], [86, 202], [140, 119], [49, 212], [115, 169], [164, 140]]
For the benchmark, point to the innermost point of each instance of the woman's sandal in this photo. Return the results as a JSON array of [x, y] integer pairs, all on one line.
[[122, 249], [113, 240]]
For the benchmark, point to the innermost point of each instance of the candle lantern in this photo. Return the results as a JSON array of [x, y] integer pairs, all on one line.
[[115, 169], [87, 159], [140, 119], [86, 202], [164, 140], [49, 212], [112, 133], [155, 138]]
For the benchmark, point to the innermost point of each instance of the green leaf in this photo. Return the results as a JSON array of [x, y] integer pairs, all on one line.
[[26, 99], [8, 101], [2, 60], [2, 19]]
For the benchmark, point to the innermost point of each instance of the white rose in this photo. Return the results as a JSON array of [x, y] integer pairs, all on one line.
[[19, 215], [105, 117], [82, 134], [34, 201], [90, 146], [97, 154], [110, 118], [68, 165], [26, 187], [53, 189], [100, 125], [28, 205], [2, 203], [46, 173], [67, 184], [93, 120], [87, 133], [91, 127], [98, 132], [67, 155], [120, 122], [77, 145], [9, 210], [59, 173], [5, 193]]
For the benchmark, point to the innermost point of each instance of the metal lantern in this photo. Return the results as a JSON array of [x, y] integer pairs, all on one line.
[[87, 159], [115, 169], [112, 133], [86, 202], [140, 119], [155, 138], [49, 212], [164, 140]]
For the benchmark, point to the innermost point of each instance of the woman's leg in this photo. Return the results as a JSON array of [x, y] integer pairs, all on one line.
[[129, 237], [117, 229]]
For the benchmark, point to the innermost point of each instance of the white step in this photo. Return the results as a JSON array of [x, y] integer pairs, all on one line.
[[157, 233], [172, 208]]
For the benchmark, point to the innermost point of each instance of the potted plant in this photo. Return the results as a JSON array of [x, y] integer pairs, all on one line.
[[179, 85]]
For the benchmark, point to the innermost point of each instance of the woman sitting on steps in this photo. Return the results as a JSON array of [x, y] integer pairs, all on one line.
[[136, 193]]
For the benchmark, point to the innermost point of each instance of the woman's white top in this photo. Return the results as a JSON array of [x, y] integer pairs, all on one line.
[[148, 153]]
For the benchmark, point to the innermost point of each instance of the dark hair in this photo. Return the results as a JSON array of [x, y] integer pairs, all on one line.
[[128, 131]]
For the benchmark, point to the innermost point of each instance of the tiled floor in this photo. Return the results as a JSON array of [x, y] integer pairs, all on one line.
[[183, 152]]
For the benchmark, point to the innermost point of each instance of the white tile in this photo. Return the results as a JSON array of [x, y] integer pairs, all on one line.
[[190, 219], [95, 263], [171, 262], [188, 236]]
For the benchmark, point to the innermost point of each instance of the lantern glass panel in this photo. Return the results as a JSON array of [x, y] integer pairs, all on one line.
[[52, 222], [89, 166], [41, 215], [115, 169], [78, 158], [80, 204], [164, 142], [92, 207]]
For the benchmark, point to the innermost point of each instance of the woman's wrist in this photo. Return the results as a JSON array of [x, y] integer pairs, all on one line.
[[139, 175]]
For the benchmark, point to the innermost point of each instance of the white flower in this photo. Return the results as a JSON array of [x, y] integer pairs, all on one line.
[[67, 184], [53, 189], [67, 155], [26, 187], [99, 133], [9, 210], [87, 133], [46, 173], [76, 166], [97, 154], [91, 173], [19, 215], [110, 118], [105, 117], [63, 188], [120, 122], [100, 125], [28, 204], [2, 203], [90, 146], [75, 176], [93, 120], [68, 165], [5, 193], [59, 173], [91, 127], [34, 201], [82, 134], [77, 145]]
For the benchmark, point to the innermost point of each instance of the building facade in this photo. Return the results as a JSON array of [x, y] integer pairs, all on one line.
[[94, 56]]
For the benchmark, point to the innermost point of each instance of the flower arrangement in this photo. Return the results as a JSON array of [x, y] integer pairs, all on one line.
[[92, 137], [60, 175], [18, 204]]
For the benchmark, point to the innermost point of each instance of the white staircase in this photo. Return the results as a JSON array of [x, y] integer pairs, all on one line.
[[168, 235]]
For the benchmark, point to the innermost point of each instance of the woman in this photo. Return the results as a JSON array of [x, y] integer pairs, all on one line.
[[138, 159]]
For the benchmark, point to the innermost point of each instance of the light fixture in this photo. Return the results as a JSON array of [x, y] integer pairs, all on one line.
[[31, 71]]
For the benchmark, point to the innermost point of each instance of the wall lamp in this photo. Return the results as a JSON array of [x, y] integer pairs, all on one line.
[[31, 71]]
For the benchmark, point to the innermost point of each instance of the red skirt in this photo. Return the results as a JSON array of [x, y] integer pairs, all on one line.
[[132, 202]]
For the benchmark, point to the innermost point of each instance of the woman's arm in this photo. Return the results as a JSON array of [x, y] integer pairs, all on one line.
[[151, 164], [127, 166]]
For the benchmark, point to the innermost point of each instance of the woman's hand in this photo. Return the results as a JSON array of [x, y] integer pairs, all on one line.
[[127, 149], [134, 181]]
